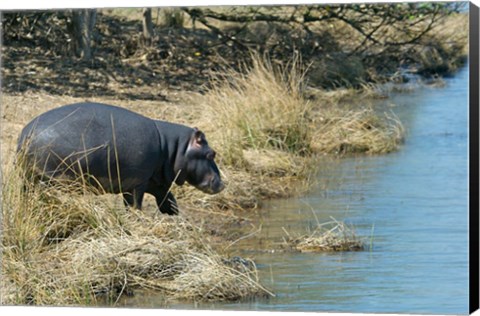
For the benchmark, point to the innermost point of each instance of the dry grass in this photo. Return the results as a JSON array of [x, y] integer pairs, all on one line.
[[77, 248], [330, 236], [268, 126], [445, 48], [261, 109], [343, 131]]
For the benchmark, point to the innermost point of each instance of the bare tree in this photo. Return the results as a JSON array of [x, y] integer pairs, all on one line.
[[147, 26], [81, 29], [372, 22]]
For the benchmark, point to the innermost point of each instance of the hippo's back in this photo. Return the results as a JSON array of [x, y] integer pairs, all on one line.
[[78, 118], [91, 138]]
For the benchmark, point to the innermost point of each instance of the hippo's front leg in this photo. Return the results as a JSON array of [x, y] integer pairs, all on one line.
[[168, 205], [165, 200]]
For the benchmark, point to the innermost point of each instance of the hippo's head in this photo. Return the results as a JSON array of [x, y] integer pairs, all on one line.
[[200, 168]]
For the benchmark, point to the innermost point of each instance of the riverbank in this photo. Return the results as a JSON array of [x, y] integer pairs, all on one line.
[[45, 229], [268, 127]]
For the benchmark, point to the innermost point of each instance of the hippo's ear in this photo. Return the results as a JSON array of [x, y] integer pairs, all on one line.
[[198, 138]]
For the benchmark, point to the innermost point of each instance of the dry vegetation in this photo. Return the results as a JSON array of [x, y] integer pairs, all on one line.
[[76, 248], [358, 131], [264, 109], [185, 54], [329, 236]]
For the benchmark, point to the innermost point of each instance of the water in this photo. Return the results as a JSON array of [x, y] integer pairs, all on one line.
[[413, 203]]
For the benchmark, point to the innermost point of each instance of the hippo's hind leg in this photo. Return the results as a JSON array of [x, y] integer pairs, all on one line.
[[134, 199], [166, 202]]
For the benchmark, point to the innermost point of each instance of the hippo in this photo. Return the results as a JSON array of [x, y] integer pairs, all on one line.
[[118, 151]]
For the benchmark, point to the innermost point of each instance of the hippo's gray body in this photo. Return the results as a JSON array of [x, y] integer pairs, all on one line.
[[119, 151]]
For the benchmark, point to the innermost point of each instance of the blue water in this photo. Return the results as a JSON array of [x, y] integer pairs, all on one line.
[[411, 205]]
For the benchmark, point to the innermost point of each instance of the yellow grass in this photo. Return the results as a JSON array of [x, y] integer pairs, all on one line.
[[343, 131], [262, 108], [77, 248], [329, 236]]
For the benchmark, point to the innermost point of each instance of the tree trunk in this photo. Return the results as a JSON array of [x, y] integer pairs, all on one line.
[[147, 26], [82, 25]]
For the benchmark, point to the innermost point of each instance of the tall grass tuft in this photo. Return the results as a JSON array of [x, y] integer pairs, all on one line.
[[261, 108]]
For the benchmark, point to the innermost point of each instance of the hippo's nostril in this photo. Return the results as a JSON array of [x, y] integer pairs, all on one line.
[[219, 186], [216, 185]]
